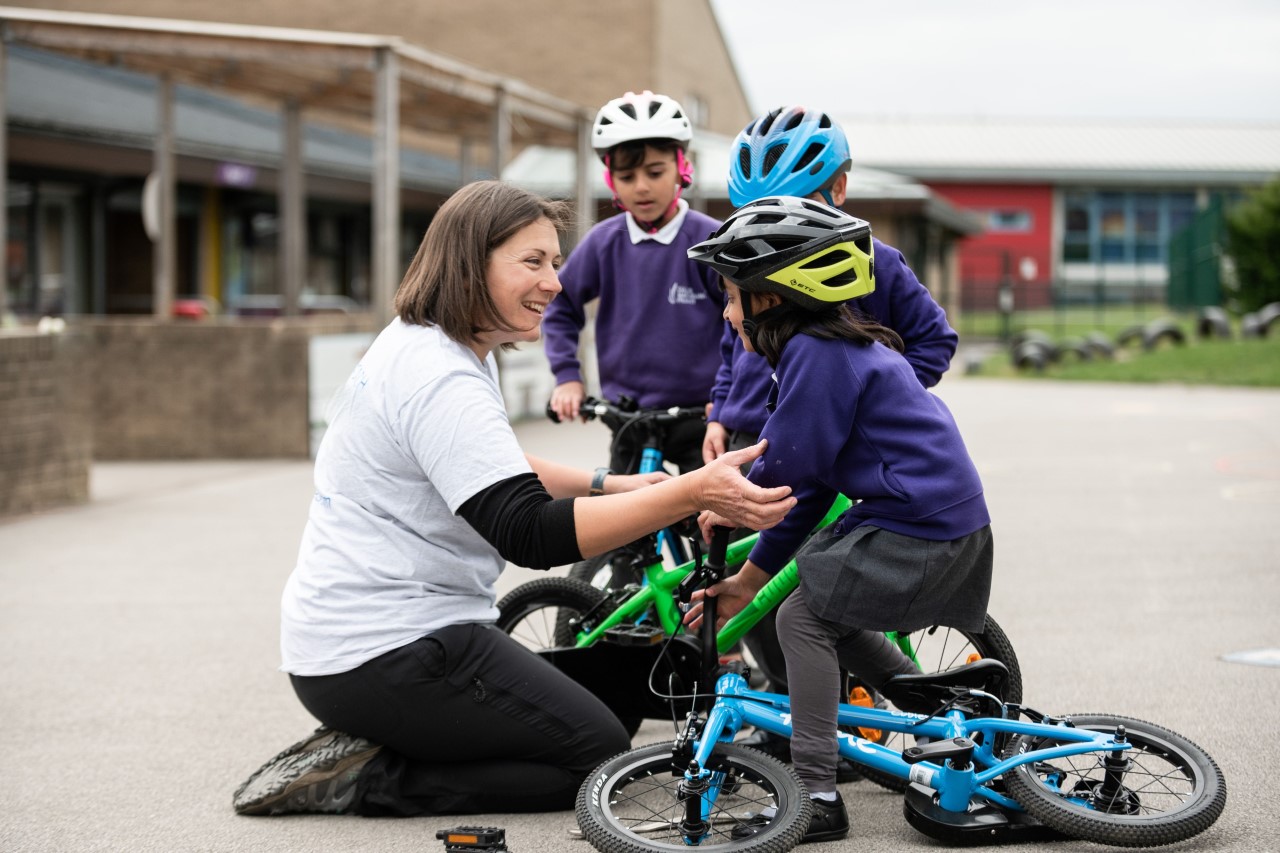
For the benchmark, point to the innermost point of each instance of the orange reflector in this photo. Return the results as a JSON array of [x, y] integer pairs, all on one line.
[[973, 657], [453, 838], [859, 696]]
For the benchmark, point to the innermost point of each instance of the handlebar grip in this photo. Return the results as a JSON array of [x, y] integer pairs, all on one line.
[[719, 547], [551, 413]]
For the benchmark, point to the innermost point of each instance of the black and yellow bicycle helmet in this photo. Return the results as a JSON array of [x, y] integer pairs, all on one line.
[[806, 252]]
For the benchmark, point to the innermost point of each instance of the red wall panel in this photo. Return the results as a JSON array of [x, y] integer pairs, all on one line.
[[983, 258]]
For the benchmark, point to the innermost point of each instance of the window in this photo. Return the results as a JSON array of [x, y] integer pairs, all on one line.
[[1079, 228], [1009, 221], [1120, 227]]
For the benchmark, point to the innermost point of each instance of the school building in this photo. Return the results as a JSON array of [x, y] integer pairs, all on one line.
[[1072, 211]]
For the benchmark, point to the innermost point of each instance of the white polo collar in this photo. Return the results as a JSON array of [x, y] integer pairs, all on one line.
[[666, 233]]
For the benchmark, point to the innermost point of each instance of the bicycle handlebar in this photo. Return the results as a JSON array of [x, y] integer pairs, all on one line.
[[593, 408]]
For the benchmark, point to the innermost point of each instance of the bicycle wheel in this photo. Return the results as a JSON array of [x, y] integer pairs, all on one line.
[[536, 614], [1170, 789], [631, 803], [938, 649]]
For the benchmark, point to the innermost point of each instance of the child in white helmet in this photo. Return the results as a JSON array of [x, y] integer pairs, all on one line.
[[657, 321]]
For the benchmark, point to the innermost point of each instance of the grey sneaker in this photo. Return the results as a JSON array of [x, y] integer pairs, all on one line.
[[316, 774]]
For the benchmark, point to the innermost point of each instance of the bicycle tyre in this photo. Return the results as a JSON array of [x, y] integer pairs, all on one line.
[[536, 615], [938, 649], [1181, 791], [630, 803]]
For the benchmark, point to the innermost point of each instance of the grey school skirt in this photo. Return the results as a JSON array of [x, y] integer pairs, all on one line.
[[883, 581]]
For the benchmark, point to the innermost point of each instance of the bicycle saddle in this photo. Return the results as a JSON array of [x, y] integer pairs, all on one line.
[[926, 693]]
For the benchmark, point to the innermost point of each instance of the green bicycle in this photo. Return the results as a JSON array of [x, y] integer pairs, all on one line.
[[629, 647]]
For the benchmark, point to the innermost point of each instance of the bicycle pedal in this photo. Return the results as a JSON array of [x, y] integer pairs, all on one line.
[[634, 635]]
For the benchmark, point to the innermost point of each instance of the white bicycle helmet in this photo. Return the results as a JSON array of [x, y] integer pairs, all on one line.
[[634, 117]]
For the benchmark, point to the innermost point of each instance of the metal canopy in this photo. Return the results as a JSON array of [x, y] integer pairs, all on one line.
[[396, 91], [324, 72]]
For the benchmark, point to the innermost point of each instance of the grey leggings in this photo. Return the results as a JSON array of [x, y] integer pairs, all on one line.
[[815, 650]]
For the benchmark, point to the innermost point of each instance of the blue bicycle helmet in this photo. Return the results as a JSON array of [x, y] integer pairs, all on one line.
[[788, 152]]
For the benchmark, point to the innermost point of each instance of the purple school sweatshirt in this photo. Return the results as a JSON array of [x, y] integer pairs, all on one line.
[[853, 418], [659, 319]]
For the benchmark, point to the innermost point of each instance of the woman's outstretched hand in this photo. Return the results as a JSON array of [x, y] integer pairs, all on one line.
[[741, 503]]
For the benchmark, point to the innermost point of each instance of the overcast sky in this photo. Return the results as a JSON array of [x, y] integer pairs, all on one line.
[[1216, 60]]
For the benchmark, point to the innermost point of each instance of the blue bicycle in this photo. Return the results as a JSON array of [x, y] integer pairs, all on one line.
[[982, 769], [647, 428]]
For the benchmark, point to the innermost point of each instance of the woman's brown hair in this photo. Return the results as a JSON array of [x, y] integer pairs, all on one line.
[[446, 285]]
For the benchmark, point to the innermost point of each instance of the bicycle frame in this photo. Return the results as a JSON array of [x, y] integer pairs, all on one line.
[[650, 461], [658, 593], [737, 705]]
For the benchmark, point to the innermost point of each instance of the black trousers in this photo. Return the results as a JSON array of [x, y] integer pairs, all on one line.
[[470, 721]]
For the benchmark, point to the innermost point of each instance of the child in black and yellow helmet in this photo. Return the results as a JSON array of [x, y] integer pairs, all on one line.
[[848, 416]]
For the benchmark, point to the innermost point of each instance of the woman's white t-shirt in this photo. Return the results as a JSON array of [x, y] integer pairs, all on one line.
[[419, 428]]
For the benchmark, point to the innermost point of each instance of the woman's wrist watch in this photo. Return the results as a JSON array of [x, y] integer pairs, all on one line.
[[597, 481]]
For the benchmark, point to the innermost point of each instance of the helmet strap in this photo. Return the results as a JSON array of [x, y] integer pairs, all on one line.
[[751, 319]]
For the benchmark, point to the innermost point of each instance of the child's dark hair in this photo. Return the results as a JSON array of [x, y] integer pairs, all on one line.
[[786, 320], [630, 155]]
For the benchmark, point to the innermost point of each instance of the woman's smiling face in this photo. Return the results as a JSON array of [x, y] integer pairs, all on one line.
[[523, 279]]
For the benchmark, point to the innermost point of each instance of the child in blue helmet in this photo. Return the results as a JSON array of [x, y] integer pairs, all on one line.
[[916, 550], [795, 151], [657, 325], [801, 152]]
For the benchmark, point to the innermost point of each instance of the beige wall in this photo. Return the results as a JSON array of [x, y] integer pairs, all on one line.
[[45, 432], [585, 51], [203, 390]]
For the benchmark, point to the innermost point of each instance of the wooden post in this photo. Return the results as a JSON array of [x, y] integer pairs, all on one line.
[[386, 185], [4, 178], [501, 132], [587, 160], [293, 211], [164, 250]]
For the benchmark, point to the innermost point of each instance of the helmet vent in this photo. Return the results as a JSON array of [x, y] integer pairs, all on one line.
[[810, 154], [768, 122], [795, 120], [767, 218], [827, 259], [846, 277], [771, 158], [744, 161], [825, 121], [629, 109]]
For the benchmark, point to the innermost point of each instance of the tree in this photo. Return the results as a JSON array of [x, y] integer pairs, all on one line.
[[1253, 242]]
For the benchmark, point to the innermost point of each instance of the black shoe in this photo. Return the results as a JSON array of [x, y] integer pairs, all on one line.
[[846, 771], [830, 822], [770, 744], [316, 774]]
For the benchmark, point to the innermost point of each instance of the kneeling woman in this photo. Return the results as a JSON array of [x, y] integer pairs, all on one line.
[[849, 416], [421, 496]]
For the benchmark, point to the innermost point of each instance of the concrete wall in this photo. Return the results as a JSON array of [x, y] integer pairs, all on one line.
[[45, 433], [203, 390]]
